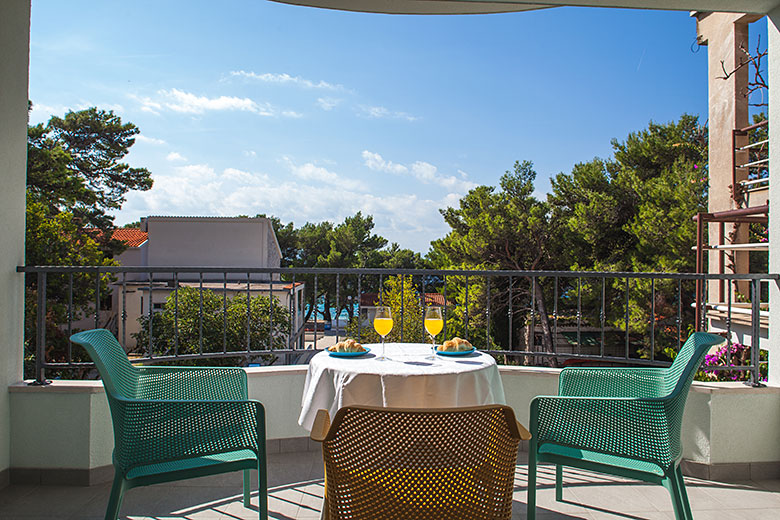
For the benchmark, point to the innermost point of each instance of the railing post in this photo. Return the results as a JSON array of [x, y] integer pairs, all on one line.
[[699, 267], [40, 332], [755, 338], [97, 299]]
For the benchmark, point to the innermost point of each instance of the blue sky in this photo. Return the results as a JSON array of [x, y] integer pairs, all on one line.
[[249, 106]]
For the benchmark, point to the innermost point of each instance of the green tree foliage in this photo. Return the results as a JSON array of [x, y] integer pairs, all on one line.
[[96, 142], [504, 228], [56, 239], [75, 165], [223, 318], [634, 212], [349, 244], [394, 257], [631, 212], [403, 297], [287, 236], [74, 177], [352, 245]]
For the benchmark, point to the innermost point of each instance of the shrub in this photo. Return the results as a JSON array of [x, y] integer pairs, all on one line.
[[732, 355]]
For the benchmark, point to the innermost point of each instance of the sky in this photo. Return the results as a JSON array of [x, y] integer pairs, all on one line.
[[250, 106]]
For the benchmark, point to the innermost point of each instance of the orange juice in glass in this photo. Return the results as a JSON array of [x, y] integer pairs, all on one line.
[[383, 324], [433, 324]]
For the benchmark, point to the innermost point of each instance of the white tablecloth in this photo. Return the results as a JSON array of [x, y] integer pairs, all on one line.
[[408, 380]]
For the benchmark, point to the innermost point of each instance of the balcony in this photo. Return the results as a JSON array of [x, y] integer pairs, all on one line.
[[731, 456], [296, 486], [732, 469]]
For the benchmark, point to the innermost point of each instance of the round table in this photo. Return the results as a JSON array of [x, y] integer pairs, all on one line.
[[406, 380]]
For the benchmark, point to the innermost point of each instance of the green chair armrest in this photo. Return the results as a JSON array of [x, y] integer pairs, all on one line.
[[624, 427], [192, 383], [154, 431], [612, 382]]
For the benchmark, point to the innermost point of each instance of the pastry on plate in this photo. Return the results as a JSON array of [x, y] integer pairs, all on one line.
[[349, 345], [456, 344]]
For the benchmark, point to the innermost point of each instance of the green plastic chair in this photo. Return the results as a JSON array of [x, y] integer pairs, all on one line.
[[175, 423], [620, 421]]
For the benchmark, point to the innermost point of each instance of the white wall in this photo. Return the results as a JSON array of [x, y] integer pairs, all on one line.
[[14, 72], [217, 242], [724, 423], [773, 28]]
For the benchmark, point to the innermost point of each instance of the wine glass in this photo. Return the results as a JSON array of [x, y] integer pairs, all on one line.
[[383, 324], [433, 324]]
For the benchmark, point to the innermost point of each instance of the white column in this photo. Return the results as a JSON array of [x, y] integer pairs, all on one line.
[[773, 28], [14, 73]]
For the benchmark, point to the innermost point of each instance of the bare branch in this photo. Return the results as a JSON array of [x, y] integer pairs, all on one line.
[[758, 83]]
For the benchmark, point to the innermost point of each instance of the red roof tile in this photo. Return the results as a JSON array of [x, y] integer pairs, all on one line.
[[370, 299], [133, 237]]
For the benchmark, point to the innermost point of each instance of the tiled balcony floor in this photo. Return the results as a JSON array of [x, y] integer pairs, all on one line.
[[296, 493]]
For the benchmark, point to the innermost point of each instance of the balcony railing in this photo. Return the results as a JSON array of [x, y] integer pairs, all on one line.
[[532, 317]]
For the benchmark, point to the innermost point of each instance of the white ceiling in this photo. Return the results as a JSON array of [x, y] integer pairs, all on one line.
[[499, 6]]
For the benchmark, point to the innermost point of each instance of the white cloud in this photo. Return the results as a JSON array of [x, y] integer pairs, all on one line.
[[186, 102], [291, 113], [312, 172], [268, 77], [379, 112], [408, 219], [147, 104], [421, 170], [175, 156], [375, 162], [197, 189], [42, 112], [197, 172], [250, 153], [194, 189], [243, 177], [149, 140], [183, 102], [328, 104], [451, 200]]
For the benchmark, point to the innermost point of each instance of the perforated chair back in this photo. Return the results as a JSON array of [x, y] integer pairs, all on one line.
[[619, 421], [119, 376], [678, 379], [417, 463], [175, 423]]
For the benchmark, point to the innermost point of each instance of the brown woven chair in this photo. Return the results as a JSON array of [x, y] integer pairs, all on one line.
[[383, 463]]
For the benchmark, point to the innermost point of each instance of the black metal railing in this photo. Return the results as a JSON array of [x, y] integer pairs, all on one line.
[[262, 314]]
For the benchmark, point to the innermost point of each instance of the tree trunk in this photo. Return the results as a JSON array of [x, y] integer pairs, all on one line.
[[310, 311], [326, 312], [544, 321]]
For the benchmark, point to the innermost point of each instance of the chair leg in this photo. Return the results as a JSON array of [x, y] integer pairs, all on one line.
[[115, 499], [262, 489], [684, 494], [673, 485], [325, 513], [559, 483], [531, 501], [247, 491]]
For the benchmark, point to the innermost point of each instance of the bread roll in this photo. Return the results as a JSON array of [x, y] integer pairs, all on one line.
[[455, 344]]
